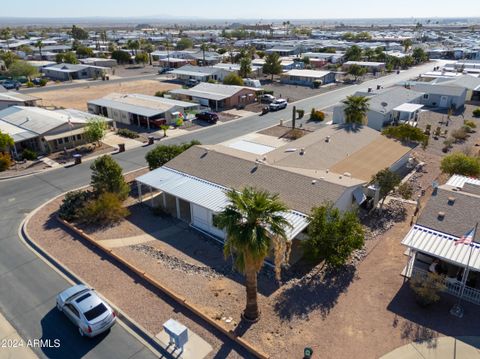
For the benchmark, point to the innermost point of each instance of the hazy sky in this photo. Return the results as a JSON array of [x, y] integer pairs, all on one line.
[[257, 9]]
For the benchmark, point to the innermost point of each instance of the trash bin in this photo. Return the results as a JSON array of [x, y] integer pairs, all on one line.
[[121, 147], [150, 140], [77, 158]]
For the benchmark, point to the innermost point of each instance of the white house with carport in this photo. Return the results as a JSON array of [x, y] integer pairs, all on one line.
[[140, 110], [201, 74], [451, 212], [441, 95], [309, 78]]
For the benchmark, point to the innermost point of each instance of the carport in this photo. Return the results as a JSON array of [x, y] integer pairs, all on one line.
[[196, 201]]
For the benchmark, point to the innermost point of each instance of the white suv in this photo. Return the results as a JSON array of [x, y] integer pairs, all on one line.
[[278, 104]]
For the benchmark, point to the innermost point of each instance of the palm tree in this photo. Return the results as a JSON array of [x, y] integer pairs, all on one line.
[[6, 34], [356, 108], [39, 44], [254, 224], [204, 47]]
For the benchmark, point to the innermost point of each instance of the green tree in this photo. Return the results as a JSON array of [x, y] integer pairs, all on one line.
[[105, 209], [356, 108], [22, 68], [84, 51], [133, 45], [407, 44], [26, 49], [6, 35], [184, 43], [164, 153], [107, 177], [78, 33], [461, 164], [9, 58], [245, 67], [122, 57], [405, 133], [386, 180], [419, 55], [67, 57], [356, 71], [353, 53], [39, 45], [164, 128], [95, 130], [333, 235], [254, 225], [141, 57], [272, 65], [148, 48], [233, 79], [6, 142]]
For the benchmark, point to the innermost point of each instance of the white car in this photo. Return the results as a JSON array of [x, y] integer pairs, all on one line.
[[278, 104], [91, 314]]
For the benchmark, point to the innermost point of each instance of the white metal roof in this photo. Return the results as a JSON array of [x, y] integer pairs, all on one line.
[[206, 194], [408, 107], [251, 147], [442, 246], [307, 73], [459, 181]]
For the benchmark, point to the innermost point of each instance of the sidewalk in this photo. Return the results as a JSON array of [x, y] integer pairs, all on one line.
[[441, 348], [12, 345]]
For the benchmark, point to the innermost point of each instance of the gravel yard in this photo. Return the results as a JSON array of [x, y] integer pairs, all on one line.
[[77, 97]]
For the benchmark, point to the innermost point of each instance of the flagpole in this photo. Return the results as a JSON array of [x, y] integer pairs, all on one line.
[[457, 310]]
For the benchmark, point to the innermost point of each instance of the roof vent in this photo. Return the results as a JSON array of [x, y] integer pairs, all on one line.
[[451, 200], [302, 151], [347, 174], [326, 171], [314, 181], [327, 139], [441, 215]]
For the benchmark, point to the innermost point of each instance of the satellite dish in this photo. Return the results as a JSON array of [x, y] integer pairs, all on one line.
[[384, 105]]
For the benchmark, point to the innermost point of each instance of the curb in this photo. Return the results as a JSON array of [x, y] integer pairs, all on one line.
[[141, 334]]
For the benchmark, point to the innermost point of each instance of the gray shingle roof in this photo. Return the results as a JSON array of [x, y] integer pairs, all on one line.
[[296, 190], [438, 89], [460, 216]]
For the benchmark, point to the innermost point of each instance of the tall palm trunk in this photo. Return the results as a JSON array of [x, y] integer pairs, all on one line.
[[251, 312]]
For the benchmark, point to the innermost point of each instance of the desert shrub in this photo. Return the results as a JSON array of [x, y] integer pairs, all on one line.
[[461, 164], [28, 154], [470, 123], [447, 144], [107, 177], [295, 134], [459, 134], [125, 132], [105, 209], [43, 82], [30, 84], [160, 93], [405, 190], [164, 153], [476, 112], [5, 161], [73, 204], [467, 129], [300, 113], [316, 115], [427, 288]]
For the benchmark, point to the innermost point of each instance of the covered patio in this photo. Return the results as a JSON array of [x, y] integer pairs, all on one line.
[[407, 113], [460, 264]]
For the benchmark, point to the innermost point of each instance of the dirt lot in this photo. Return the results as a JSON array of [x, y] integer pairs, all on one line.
[[294, 93], [77, 97]]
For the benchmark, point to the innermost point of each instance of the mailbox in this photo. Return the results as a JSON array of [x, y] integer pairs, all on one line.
[[177, 332]]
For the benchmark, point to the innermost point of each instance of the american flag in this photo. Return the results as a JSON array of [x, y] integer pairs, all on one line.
[[467, 238]]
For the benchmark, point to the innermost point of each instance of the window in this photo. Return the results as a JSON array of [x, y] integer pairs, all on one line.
[[425, 96], [79, 137], [60, 141], [95, 312], [73, 310], [67, 139]]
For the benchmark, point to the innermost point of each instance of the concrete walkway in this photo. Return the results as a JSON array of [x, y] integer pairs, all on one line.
[[440, 348], [12, 345]]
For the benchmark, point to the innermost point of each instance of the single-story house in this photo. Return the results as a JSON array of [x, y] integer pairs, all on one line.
[[12, 98], [140, 110], [192, 186], [471, 83], [307, 77], [41, 64], [68, 72], [451, 212], [286, 63], [333, 58], [201, 74], [44, 130], [173, 62], [218, 97], [441, 96], [385, 107], [373, 67], [97, 61]]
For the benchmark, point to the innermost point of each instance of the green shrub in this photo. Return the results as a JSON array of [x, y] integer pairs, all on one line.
[[105, 209], [164, 153], [268, 92], [405, 190], [73, 204], [125, 132], [30, 84], [470, 123], [160, 93], [43, 82], [461, 164], [317, 115], [5, 161], [427, 288], [476, 112], [300, 113], [29, 155]]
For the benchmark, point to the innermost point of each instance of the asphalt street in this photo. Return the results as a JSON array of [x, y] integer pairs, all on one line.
[[28, 286]]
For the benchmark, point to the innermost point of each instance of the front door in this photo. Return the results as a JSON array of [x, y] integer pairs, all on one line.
[[443, 101]]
